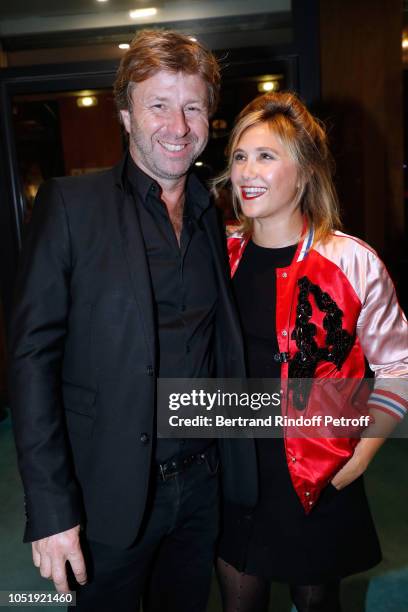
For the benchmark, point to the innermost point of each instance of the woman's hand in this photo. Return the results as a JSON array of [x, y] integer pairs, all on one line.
[[358, 463], [354, 468]]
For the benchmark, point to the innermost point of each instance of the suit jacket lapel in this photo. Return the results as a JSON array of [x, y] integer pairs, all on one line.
[[136, 259], [210, 223], [212, 228]]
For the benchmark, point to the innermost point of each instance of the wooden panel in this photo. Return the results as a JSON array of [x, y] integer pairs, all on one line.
[[91, 137], [361, 82]]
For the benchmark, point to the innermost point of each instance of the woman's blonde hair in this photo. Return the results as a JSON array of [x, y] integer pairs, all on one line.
[[305, 139]]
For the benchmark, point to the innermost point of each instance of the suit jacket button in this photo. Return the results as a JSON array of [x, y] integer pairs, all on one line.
[[144, 438], [149, 370]]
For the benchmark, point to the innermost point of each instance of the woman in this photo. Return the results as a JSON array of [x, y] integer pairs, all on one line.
[[313, 302]]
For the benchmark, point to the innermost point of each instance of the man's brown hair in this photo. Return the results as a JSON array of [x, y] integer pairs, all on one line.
[[154, 50]]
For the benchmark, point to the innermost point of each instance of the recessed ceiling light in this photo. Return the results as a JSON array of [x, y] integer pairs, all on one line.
[[102, 0], [268, 86], [124, 46], [199, 163], [87, 101], [140, 13], [405, 43]]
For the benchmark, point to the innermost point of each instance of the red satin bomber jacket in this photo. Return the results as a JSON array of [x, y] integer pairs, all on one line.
[[341, 279]]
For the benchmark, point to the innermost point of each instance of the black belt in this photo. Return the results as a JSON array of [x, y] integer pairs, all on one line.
[[175, 466]]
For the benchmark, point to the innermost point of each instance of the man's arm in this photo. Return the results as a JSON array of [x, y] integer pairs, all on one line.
[[37, 336]]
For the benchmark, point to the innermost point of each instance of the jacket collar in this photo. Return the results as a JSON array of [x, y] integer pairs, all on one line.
[[305, 245], [301, 253]]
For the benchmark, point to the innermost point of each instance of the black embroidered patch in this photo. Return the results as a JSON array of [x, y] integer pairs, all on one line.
[[338, 341]]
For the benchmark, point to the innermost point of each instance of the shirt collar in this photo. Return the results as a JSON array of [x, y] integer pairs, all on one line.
[[138, 180], [197, 195]]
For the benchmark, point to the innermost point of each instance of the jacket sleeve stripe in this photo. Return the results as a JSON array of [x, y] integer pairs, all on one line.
[[402, 401], [393, 407]]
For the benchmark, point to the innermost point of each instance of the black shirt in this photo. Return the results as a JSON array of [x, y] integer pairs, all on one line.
[[184, 289]]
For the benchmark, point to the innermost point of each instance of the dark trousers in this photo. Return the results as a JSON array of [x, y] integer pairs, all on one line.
[[170, 565]]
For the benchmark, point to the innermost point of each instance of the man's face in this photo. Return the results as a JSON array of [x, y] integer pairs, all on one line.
[[167, 123]]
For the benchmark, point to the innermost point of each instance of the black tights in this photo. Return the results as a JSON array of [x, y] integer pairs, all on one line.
[[245, 593], [316, 597]]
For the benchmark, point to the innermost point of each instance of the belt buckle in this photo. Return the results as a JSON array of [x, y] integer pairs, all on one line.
[[162, 472], [164, 475]]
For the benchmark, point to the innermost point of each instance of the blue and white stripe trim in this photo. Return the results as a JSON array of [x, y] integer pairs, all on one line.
[[391, 405], [307, 244]]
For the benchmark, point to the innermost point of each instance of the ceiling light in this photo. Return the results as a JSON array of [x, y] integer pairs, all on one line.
[[124, 46], [199, 163], [140, 13], [102, 0], [405, 43], [87, 101], [268, 86]]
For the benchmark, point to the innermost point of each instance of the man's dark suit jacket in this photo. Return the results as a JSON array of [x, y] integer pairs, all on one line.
[[82, 366]]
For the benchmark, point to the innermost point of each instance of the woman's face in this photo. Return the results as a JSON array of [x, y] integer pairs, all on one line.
[[263, 175]]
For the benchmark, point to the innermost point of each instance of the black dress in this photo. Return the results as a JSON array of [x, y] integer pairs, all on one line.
[[278, 540]]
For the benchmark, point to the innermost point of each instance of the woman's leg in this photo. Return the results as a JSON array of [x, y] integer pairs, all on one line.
[[316, 597], [242, 592]]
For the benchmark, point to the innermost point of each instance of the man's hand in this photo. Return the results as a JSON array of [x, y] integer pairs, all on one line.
[[50, 555]]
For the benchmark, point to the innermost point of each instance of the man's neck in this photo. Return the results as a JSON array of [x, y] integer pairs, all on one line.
[[173, 190], [172, 196]]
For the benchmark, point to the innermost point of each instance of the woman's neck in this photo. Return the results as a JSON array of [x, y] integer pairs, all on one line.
[[278, 233]]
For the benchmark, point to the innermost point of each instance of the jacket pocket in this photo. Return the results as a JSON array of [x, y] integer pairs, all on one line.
[[79, 424], [79, 404], [79, 399]]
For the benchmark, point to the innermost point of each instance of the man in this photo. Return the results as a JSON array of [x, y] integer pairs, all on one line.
[[123, 279]]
